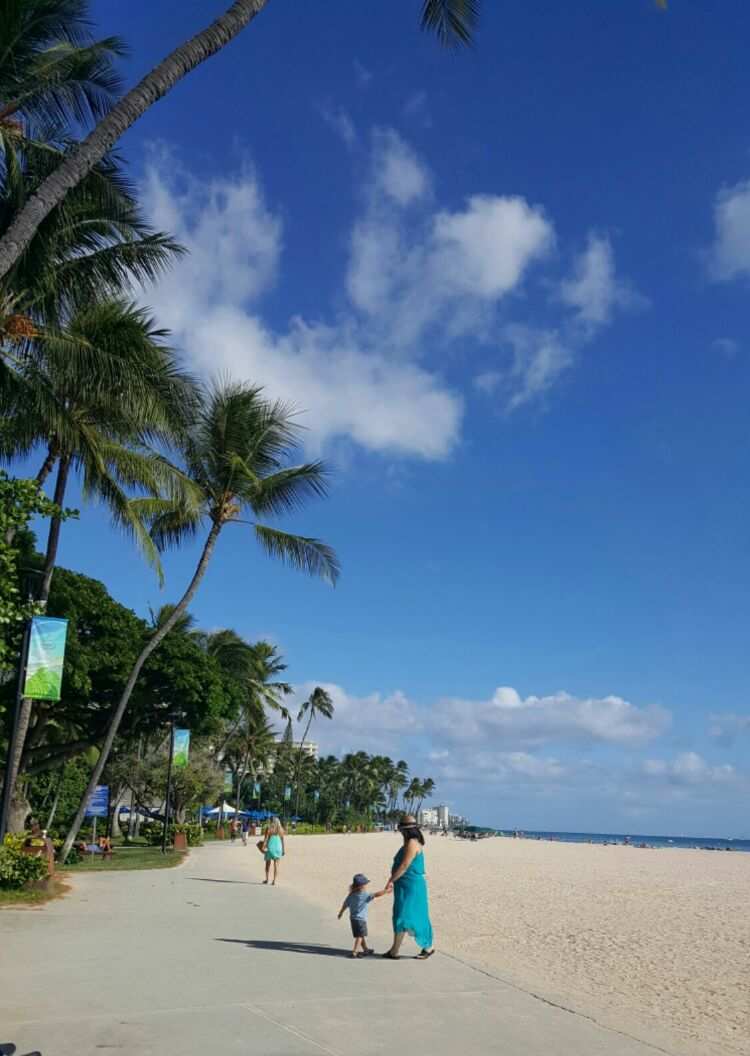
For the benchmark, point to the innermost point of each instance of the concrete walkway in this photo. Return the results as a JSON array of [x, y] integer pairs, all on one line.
[[204, 960]]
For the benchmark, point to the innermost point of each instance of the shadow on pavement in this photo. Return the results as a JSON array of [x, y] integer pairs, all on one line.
[[212, 880], [289, 947]]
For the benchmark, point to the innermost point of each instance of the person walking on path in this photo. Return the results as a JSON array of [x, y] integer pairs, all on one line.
[[411, 913], [273, 848], [358, 903]]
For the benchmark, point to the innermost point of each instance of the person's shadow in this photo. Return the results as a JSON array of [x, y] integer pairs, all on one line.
[[289, 947], [8, 1048]]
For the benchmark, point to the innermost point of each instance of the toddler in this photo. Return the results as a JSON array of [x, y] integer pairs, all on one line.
[[358, 902]]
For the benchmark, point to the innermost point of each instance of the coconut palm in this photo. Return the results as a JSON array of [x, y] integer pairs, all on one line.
[[50, 66], [319, 703], [453, 22], [234, 459]]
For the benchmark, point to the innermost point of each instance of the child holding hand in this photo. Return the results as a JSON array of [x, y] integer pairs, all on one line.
[[358, 903]]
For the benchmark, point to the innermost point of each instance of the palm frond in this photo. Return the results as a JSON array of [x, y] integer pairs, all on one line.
[[452, 21], [308, 555], [288, 489]]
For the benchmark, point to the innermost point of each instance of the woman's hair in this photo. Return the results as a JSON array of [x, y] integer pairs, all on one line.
[[275, 827], [411, 832], [356, 887]]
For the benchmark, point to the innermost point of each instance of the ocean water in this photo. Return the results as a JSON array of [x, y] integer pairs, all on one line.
[[708, 843]]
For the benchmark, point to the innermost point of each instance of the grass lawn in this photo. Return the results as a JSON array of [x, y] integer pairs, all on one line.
[[134, 857], [21, 899]]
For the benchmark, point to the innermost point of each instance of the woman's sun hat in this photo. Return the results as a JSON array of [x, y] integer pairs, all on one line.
[[408, 822]]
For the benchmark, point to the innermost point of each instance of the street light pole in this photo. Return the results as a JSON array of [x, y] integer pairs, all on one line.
[[169, 789]]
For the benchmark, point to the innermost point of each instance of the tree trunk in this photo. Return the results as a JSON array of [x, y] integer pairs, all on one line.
[[299, 758], [53, 539], [146, 652], [20, 808], [56, 800], [53, 535], [125, 113]]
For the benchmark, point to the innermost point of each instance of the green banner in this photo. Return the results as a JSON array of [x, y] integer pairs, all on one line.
[[256, 790], [228, 781], [180, 748], [44, 663], [288, 792]]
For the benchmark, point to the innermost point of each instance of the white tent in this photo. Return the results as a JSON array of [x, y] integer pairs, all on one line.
[[217, 810]]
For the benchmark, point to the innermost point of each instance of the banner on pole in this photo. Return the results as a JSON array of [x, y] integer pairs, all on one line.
[[44, 663], [256, 790], [180, 748], [98, 804], [288, 792], [316, 794], [228, 781]]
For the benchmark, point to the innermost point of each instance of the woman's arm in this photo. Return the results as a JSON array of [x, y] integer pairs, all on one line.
[[410, 853]]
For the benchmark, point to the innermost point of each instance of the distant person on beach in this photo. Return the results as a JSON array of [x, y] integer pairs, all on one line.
[[358, 903], [411, 914], [234, 828], [273, 848], [244, 831]]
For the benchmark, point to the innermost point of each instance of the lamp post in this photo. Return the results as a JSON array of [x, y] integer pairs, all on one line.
[[169, 789]]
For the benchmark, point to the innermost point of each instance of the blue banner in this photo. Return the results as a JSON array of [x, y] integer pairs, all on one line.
[[98, 804], [180, 748], [256, 790]]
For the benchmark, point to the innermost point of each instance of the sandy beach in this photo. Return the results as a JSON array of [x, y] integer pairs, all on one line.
[[655, 943]]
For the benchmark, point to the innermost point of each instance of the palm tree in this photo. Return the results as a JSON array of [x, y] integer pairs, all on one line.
[[235, 458], [426, 789], [318, 703], [94, 398], [453, 22]]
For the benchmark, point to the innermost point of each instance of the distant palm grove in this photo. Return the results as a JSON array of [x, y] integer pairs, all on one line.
[[92, 391]]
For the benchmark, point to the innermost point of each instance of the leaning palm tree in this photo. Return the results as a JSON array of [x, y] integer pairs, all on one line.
[[318, 703], [453, 22], [235, 458]]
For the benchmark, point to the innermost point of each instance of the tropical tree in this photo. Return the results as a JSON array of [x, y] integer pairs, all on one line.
[[94, 398], [319, 703], [234, 459], [452, 21]]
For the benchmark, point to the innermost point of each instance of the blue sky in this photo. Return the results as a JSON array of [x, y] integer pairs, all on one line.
[[510, 288]]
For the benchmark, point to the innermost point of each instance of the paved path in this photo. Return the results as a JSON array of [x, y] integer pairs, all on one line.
[[203, 960]]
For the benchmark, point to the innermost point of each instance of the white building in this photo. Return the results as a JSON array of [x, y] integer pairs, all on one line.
[[428, 817], [309, 748], [443, 816]]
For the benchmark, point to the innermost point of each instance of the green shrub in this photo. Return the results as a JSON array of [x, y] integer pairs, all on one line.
[[152, 831], [18, 869]]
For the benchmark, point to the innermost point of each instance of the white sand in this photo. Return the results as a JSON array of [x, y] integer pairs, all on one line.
[[655, 943]]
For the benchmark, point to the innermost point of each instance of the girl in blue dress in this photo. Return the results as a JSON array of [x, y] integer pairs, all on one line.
[[411, 913]]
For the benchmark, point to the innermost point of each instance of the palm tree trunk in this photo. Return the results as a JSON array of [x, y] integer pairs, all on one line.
[[86, 155], [53, 535], [146, 652], [53, 539], [299, 759]]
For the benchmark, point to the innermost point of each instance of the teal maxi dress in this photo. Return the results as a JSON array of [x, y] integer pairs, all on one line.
[[411, 911], [274, 848]]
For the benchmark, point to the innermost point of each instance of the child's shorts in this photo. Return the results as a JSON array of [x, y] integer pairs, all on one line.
[[359, 928]]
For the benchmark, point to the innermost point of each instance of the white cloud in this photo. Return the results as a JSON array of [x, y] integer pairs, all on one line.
[[727, 726], [416, 109], [398, 172], [347, 387], [339, 120], [376, 723], [729, 256], [539, 358], [364, 76], [725, 346], [689, 768], [484, 249], [509, 719], [594, 290], [418, 278]]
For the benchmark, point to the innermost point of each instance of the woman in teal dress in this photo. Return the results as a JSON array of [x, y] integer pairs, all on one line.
[[411, 913], [273, 848]]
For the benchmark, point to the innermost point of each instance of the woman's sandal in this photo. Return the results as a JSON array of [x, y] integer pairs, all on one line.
[[392, 956], [425, 954]]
